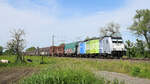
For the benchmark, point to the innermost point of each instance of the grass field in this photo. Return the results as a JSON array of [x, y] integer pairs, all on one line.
[[76, 70]]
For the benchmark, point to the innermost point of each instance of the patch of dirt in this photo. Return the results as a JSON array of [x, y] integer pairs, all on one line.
[[13, 75], [122, 77]]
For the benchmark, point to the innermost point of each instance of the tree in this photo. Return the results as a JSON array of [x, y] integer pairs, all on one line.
[[129, 45], [140, 46], [136, 49], [87, 38], [1, 50], [111, 29], [141, 24], [17, 44], [103, 31], [9, 52], [31, 49], [10, 49]]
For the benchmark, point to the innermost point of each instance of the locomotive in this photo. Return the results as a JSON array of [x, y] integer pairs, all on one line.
[[104, 47]]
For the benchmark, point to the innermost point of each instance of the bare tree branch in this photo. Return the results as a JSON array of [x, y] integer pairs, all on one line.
[[17, 43], [110, 29]]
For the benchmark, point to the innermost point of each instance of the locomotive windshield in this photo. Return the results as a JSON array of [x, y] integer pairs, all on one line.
[[117, 40]]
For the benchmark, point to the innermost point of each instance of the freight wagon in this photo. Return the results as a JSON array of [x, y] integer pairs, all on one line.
[[53, 50], [71, 49], [88, 48], [60, 50], [57, 50], [39, 52], [43, 51], [81, 49]]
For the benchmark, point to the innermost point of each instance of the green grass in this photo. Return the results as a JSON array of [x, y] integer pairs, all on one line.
[[138, 69], [61, 74], [76, 70], [66, 71]]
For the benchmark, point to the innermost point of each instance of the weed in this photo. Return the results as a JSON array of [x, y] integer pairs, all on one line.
[[135, 71]]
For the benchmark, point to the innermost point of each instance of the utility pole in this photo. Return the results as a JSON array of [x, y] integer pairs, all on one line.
[[53, 45]]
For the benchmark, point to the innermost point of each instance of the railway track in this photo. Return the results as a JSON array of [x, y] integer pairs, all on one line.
[[137, 59], [130, 59]]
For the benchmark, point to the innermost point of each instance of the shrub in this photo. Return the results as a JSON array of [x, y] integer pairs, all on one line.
[[135, 71], [3, 64]]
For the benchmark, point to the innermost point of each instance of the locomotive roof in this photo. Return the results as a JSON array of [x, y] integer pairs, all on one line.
[[94, 38]]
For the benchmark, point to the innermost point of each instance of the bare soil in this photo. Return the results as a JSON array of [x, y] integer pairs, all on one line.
[[12, 75], [111, 76]]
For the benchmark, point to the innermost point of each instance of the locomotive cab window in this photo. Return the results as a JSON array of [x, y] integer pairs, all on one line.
[[117, 40], [120, 41]]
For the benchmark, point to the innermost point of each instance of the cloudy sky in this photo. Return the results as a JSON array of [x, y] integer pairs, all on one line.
[[68, 20]]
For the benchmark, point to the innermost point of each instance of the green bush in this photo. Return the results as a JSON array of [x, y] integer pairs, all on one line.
[[135, 71], [3, 64]]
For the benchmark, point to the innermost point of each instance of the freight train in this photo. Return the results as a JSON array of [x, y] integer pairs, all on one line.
[[104, 47]]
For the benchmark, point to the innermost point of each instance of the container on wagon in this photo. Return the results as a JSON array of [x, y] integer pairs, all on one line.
[[71, 48]]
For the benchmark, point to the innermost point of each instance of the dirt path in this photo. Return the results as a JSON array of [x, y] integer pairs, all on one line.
[[122, 77], [14, 74]]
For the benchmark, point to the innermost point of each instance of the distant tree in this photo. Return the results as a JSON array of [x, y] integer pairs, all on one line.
[[1, 50], [129, 45], [10, 49], [136, 49], [103, 31], [9, 52], [141, 24], [31, 49], [111, 29], [17, 44], [140, 46]]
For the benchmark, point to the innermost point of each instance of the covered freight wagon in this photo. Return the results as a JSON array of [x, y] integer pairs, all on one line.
[[82, 48], [57, 50], [94, 46], [88, 47], [71, 49], [60, 50], [53, 50], [44, 51]]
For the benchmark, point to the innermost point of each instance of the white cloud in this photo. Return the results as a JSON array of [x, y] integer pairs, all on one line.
[[42, 23]]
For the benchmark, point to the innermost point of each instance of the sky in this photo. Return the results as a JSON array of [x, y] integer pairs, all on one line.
[[67, 20]]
